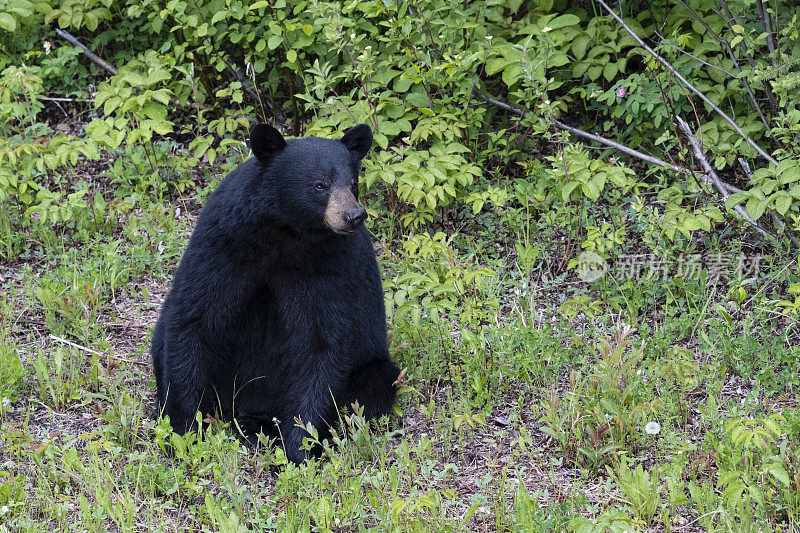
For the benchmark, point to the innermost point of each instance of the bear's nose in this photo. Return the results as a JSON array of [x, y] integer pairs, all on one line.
[[356, 217]]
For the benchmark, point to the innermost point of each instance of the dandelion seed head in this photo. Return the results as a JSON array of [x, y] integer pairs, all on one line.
[[652, 428]]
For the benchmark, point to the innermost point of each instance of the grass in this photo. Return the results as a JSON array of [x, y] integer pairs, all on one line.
[[525, 409]]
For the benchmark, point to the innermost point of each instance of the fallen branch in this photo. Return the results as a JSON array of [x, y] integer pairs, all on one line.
[[705, 176], [89, 350], [694, 89], [698, 152], [612, 144], [91, 55]]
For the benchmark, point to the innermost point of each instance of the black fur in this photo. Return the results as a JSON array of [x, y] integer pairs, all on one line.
[[271, 313]]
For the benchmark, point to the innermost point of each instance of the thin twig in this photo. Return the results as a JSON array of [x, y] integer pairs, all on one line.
[[91, 55], [698, 152], [741, 78], [243, 80], [694, 89], [59, 99], [684, 52], [724, 42], [709, 176], [767, 284], [731, 21], [89, 350]]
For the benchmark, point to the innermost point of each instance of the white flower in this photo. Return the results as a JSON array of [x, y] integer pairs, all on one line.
[[4, 509], [546, 29], [652, 428], [489, 37]]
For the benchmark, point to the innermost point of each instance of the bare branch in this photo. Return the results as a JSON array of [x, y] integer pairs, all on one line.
[[89, 350], [59, 99], [91, 55], [684, 52], [708, 176], [694, 89], [698, 152], [611, 144], [724, 42], [766, 23], [741, 78]]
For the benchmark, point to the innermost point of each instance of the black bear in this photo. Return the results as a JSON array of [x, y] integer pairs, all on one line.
[[276, 310]]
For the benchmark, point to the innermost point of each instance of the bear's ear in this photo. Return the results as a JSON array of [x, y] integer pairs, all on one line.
[[266, 141], [358, 140]]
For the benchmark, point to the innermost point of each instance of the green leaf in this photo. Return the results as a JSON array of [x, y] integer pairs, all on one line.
[[496, 64], [512, 74], [610, 71], [274, 42], [513, 5], [691, 223], [789, 174], [418, 99], [567, 190], [579, 46], [99, 204], [735, 199], [755, 207], [8, 22], [23, 8], [563, 21], [384, 76], [783, 203], [155, 111], [291, 56], [591, 190], [779, 472], [402, 84]]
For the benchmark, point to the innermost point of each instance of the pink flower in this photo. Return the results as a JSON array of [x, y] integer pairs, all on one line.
[[621, 92]]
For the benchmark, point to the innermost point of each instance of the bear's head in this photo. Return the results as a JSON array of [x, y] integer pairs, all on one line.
[[312, 182]]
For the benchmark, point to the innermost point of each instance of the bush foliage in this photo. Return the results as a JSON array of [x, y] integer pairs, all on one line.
[[193, 76]]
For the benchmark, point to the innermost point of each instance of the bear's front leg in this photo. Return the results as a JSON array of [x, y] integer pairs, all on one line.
[[311, 401], [293, 439], [183, 381], [372, 386]]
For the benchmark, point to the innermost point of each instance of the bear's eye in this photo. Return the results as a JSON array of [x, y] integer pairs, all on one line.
[[320, 185]]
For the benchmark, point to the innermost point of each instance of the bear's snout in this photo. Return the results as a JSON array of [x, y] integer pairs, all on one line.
[[343, 213]]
